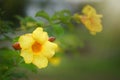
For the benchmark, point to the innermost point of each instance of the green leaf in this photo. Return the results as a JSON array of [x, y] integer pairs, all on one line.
[[56, 16], [8, 57], [19, 17], [42, 14], [29, 66], [19, 75], [66, 16], [57, 29], [29, 19], [15, 39], [6, 26], [62, 16], [40, 23]]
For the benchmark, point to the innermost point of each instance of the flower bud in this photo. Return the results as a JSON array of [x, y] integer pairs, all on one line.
[[51, 39], [16, 46]]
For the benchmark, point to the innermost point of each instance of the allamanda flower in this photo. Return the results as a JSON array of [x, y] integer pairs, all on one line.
[[90, 19], [36, 48]]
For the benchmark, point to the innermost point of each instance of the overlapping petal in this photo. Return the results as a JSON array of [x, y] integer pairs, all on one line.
[[27, 55], [48, 49], [26, 41], [40, 36], [93, 24], [40, 61], [88, 10]]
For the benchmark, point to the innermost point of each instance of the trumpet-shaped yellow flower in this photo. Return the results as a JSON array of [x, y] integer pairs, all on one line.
[[36, 49], [90, 19]]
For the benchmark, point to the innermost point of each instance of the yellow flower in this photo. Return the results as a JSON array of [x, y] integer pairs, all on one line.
[[93, 24], [55, 61], [90, 19], [36, 49]]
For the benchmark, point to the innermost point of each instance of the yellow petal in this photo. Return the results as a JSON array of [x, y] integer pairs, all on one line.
[[48, 49], [40, 36], [40, 61], [88, 10], [27, 55], [98, 28], [26, 41]]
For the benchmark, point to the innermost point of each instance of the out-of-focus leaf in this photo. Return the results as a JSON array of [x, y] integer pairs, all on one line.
[[9, 57], [66, 14], [15, 39], [63, 16], [29, 66], [20, 18], [56, 16], [18, 74], [40, 23], [29, 19], [43, 14], [5, 26], [58, 29]]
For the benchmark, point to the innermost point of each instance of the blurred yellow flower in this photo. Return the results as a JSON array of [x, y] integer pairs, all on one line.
[[90, 19], [55, 61], [36, 49]]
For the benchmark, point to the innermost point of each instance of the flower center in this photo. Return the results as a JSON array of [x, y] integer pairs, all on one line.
[[36, 47]]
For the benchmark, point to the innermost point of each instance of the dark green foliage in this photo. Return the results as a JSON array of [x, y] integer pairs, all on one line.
[[5, 26], [30, 67]]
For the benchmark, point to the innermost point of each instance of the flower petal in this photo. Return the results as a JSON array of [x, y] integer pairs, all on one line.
[[26, 41], [88, 10], [27, 55], [93, 24], [40, 61], [48, 49], [40, 36]]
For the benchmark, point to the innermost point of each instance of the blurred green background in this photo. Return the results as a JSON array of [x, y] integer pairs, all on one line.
[[85, 57]]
